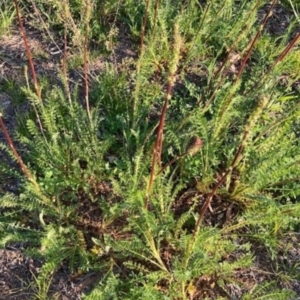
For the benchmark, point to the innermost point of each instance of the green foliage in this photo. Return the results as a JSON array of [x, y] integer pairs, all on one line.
[[7, 15], [268, 291], [96, 200]]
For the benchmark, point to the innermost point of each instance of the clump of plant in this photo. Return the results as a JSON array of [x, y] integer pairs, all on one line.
[[159, 178], [7, 15]]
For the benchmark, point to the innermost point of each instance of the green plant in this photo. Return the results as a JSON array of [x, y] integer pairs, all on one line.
[[7, 15], [110, 182]]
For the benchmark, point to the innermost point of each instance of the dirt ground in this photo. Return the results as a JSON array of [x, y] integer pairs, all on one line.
[[17, 278], [18, 272]]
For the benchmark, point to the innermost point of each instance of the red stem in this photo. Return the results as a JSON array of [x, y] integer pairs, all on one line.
[[278, 59], [85, 70], [64, 65], [144, 27], [13, 148], [156, 158], [28, 53], [268, 14], [210, 196], [155, 14], [244, 61]]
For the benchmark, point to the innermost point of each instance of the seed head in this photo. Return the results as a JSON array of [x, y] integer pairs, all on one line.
[[194, 145]]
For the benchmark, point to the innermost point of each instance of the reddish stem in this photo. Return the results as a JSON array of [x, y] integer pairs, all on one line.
[[64, 65], [28, 53], [281, 56], [263, 24], [85, 70], [155, 14], [156, 158], [245, 59], [144, 27], [213, 192], [13, 148]]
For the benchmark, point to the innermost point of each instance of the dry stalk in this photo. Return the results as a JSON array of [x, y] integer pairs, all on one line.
[[144, 24], [281, 56], [85, 66], [262, 103], [86, 82], [70, 21], [219, 69], [252, 43], [21, 163], [156, 8], [156, 157], [28, 53], [157, 151], [64, 66], [30, 61], [245, 59], [222, 66], [14, 150], [139, 63]]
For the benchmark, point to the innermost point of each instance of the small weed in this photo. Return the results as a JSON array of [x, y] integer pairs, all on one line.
[[7, 16]]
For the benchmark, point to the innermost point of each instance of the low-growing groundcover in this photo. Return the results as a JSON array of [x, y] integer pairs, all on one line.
[[166, 175]]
